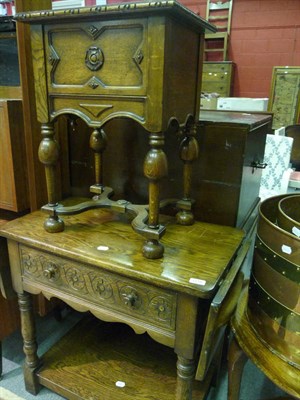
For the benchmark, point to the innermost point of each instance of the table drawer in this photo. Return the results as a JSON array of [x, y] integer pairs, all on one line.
[[108, 290], [101, 109]]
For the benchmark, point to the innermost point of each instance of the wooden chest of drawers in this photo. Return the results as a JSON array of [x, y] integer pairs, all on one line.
[[217, 77]]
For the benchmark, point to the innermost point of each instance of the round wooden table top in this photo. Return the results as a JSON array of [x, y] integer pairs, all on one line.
[[282, 374]]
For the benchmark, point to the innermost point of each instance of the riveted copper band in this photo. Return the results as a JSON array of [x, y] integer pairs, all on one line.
[[282, 342], [276, 311], [279, 241], [282, 289], [279, 264]]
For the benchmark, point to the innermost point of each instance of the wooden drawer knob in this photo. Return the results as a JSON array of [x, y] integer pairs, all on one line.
[[51, 271]]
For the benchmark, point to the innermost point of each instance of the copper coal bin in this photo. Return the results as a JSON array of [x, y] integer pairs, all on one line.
[[274, 301]]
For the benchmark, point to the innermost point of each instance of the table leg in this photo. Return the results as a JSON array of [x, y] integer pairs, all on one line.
[[185, 378], [236, 361], [29, 342]]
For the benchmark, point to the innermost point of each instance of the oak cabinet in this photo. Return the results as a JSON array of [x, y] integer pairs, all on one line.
[[120, 61], [13, 190]]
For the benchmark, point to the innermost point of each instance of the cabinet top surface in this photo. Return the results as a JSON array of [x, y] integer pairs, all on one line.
[[201, 252], [234, 117], [120, 10]]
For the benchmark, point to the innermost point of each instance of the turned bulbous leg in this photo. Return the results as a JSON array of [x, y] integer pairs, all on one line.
[[155, 168], [48, 155]]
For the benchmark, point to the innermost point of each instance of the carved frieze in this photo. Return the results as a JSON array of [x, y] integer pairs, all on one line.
[[106, 289]]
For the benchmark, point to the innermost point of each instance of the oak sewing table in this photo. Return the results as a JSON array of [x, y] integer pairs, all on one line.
[[95, 265]]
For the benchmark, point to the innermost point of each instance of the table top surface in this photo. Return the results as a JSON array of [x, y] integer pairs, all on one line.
[[195, 260]]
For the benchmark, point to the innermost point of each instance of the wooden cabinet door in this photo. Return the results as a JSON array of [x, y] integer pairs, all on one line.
[[13, 192]]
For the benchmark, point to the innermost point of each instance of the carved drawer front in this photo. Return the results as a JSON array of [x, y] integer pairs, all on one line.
[[108, 57], [106, 289]]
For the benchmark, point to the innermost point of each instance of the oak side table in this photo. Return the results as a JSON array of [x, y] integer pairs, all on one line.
[[138, 60], [95, 264]]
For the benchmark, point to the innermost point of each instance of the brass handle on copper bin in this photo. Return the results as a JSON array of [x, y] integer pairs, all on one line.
[[258, 164]]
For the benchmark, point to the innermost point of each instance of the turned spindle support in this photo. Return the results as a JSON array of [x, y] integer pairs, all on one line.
[[189, 150], [155, 168], [98, 144], [48, 155]]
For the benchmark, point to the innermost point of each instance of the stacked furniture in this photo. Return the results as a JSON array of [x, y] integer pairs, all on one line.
[[164, 290], [182, 287]]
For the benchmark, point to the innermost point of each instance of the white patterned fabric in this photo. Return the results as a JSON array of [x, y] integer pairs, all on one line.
[[275, 176]]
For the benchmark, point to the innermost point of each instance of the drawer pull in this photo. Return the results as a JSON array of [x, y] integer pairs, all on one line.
[[51, 271], [130, 299]]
